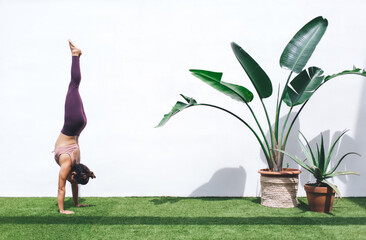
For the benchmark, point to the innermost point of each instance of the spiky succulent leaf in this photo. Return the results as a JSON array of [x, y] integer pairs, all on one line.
[[313, 158], [307, 153], [340, 160], [298, 161], [333, 186], [327, 161], [321, 155], [341, 173]]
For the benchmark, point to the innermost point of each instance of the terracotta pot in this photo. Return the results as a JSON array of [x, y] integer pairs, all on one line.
[[279, 189], [320, 199]]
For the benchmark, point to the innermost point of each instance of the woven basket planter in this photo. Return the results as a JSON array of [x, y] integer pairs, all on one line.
[[279, 189]]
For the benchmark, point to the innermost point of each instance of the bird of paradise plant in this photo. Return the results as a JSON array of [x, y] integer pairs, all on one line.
[[295, 93]]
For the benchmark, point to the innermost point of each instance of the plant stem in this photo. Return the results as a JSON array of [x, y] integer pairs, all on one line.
[[297, 114], [246, 124], [264, 136], [279, 106], [290, 127], [278, 113], [284, 126], [273, 143], [341, 74], [293, 121]]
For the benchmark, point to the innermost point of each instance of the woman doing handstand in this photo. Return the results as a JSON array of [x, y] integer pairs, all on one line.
[[67, 151]]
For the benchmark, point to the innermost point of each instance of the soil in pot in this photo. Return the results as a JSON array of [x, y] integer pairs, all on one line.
[[320, 197], [279, 189]]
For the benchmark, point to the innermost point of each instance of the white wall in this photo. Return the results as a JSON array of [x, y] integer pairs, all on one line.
[[136, 56]]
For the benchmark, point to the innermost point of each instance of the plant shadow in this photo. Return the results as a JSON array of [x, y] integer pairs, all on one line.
[[302, 205], [225, 184], [164, 200], [160, 201], [256, 200]]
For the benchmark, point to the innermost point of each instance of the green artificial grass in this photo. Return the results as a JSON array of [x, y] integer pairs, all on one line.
[[178, 218]]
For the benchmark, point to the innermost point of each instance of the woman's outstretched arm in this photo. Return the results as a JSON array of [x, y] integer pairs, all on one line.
[[65, 163]]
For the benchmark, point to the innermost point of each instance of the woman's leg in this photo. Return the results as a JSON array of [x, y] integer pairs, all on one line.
[[75, 118]]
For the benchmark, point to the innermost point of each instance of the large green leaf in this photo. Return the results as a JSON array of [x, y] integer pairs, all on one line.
[[302, 45], [357, 71], [179, 106], [303, 86], [256, 74], [213, 79], [332, 147]]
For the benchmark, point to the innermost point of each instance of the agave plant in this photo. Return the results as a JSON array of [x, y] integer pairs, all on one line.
[[295, 93], [318, 161]]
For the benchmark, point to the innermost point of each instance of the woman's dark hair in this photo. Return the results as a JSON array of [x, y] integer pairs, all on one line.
[[82, 173]]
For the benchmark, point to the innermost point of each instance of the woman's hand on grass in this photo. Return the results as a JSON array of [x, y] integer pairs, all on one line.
[[66, 212]]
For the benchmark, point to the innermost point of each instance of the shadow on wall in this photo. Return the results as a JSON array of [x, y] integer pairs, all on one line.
[[226, 182], [358, 164], [350, 163], [230, 182], [347, 144], [352, 186]]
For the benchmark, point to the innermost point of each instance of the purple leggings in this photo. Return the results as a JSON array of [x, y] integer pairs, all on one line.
[[75, 118]]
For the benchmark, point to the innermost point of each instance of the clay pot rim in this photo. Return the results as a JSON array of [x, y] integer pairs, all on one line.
[[288, 171], [316, 189]]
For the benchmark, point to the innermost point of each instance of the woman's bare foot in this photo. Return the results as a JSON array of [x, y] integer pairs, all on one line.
[[67, 212], [74, 50]]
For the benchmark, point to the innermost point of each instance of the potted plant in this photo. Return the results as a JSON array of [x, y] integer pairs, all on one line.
[[295, 94], [320, 194]]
